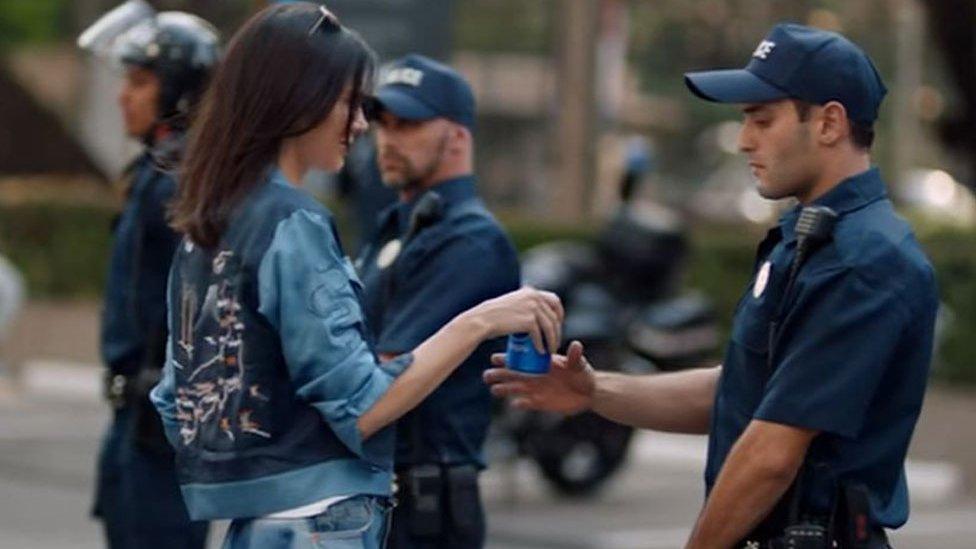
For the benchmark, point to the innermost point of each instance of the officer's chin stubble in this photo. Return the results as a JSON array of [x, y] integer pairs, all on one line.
[[400, 179], [790, 171], [409, 177]]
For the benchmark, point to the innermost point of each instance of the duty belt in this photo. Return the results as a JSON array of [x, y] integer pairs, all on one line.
[[878, 540]]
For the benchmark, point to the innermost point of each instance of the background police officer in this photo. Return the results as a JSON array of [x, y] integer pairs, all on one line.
[[824, 377], [437, 253], [167, 58]]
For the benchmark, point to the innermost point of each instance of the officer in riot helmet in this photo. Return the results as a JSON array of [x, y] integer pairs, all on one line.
[[165, 59]]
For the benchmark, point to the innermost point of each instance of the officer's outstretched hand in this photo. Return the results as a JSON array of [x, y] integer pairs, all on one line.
[[567, 388]]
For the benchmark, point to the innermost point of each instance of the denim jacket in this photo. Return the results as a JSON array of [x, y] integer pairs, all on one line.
[[269, 365]]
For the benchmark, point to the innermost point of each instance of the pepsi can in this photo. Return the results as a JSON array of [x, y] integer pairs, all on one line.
[[522, 356]]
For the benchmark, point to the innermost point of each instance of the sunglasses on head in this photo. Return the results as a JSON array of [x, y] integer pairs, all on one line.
[[326, 20]]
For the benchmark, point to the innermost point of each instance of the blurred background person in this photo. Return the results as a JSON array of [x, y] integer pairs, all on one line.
[[436, 253], [11, 300], [166, 58]]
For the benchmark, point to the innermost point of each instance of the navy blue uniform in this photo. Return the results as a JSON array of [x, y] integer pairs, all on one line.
[[138, 497], [852, 358], [461, 259], [142, 250]]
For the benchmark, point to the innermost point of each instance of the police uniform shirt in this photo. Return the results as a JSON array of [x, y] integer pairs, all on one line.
[[853, 354], [135, 295], [460, 260]]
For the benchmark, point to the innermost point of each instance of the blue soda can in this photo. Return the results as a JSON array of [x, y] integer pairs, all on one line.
[[522, 356]]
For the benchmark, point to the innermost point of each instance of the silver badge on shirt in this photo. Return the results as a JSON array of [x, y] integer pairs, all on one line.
[[388, 253], [762, 280]]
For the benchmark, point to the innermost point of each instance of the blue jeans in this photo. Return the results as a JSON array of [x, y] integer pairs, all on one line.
[[360, 522]]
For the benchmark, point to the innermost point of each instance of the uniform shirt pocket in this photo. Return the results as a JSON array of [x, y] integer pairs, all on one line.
[[750, 328], [745, 370]]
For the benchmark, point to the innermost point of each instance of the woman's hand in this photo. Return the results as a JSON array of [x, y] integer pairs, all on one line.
[[531, 311]]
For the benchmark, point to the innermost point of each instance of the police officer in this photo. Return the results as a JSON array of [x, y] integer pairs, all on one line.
[[825, 373], [167, 58], [437, 253]]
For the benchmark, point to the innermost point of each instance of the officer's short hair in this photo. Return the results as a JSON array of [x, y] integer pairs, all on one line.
[[862, 135]]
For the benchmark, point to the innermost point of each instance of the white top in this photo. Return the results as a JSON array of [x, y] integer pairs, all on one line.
[[309, 510]]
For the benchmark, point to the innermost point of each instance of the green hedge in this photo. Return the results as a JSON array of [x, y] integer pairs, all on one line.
[[63, 251], [954, 256]]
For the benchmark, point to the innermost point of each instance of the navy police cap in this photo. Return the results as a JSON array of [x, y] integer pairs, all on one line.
[[418, 88], [799, 62]]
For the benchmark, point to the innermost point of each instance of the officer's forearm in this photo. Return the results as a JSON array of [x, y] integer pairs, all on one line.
[[756, 474], [433, 361], [678, 402]]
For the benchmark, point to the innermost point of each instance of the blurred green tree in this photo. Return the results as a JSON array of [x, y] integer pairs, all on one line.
[[30, 21]]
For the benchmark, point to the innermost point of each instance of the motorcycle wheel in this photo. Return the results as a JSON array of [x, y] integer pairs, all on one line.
[[581, 452]]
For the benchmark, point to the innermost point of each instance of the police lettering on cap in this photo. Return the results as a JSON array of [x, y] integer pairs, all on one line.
[[403, 75], [418, 88], [799, 62]]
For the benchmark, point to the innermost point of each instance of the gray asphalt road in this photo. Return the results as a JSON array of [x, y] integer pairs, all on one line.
[[48, 440]]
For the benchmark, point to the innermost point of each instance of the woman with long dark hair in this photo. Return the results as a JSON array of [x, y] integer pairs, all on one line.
[[271, 394]]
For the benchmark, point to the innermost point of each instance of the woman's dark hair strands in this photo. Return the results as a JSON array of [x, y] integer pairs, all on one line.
[[276, 81]]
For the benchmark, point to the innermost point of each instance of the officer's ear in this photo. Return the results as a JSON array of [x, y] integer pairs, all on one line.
[[833, 126], [459, 137]]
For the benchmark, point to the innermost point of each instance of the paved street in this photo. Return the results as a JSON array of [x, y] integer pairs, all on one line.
[[49, 435]]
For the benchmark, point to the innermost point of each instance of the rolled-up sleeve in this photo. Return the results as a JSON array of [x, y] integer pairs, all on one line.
[[307, 291], [837, 343]]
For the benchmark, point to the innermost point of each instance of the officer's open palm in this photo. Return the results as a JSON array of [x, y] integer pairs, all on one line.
[[567, 388]]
